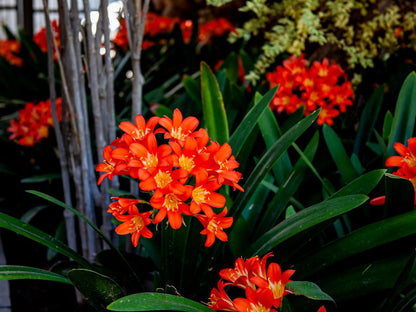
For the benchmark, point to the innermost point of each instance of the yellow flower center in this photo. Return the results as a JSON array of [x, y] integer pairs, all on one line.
[[171, 202], [278, 289], [186, 163], [137, 223], [139, 133], [162, 179], [176, 133], [150, 162], [213, 226], [257, 308], [200, 195]]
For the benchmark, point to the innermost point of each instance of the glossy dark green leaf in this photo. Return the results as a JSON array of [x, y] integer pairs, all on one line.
[[339, 155], [308, 289], [214, 115], [247, 125], [400, 195], [96, 229], [304, 220], [283, 195], [368, 119], [98, 289], [269, 159], [271, 132], [16, 272], [157, 302], [404, 115], [193, 88], [358, 241], [37, 235], [361, 185]]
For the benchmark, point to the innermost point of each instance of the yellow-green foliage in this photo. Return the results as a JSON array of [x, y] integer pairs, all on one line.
[[355, 27]]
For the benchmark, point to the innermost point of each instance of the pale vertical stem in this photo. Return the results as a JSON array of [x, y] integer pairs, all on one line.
[[75, 23], [83, 189], [136, 37], [69, 217]]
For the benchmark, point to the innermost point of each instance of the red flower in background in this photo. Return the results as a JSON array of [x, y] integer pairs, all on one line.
[[162, 25], [181, 175], [323, 85], [9, 50], [40, 38], [406, 163], [33, 122]]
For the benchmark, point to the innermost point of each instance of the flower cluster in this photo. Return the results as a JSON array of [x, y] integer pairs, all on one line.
[[8, 51], [322, 85], [406, 163], [33, 122], [161, 25], [40, 38], [264, 288], [182, 175]]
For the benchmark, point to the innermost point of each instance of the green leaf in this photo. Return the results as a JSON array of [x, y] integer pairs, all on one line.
[[96, 229], [404, 114], [339, 155], [358, 241], [31, 213], [215, 118], [37, 235], [388, 120], [368, 119], [361, 185], [192, 88], [16, 272], [304, 220], [307, 289], [157, 302], [98, 289], [271, 133], [269, 159], [249, 122], [400, 195], [42, 178]]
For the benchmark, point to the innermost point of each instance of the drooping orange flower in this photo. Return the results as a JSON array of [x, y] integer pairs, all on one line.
[[33, 122], [182, 175], [9, 50], [264, 288], [40, 38], [406, 163], [214, 225], [323, 84], [134, 223]]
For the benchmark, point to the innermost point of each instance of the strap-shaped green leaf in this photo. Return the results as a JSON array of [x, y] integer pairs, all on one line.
[[365, 238], [247, 125], [37, 235], [96, 229], [368, 119], [308, 289], [339, 155], [304, 220], [404, 114], [98, 289], [268, 160], [16, 272], [157, 302], [215, 117]]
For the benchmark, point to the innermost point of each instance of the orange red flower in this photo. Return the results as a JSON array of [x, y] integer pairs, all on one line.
[[33, 122], [264, 287], [9, 50], [40, 38], [406, 163], [323, 85], [182, 174], [161, 25]]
